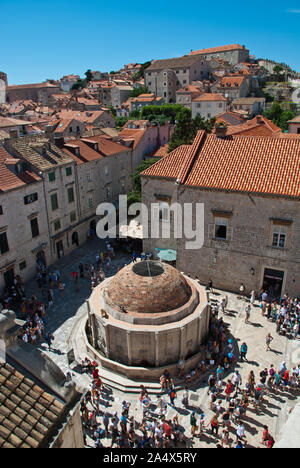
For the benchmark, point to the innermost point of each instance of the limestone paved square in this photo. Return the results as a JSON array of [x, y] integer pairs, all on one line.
[[274, 412]]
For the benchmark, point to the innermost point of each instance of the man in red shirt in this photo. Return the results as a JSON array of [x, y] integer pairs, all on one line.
[[168, 429]]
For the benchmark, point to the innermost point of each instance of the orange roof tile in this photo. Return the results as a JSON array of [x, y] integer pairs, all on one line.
[[8, 179], [210, 97], [258, 126], [213, 50], [231, 81], [243, 164]]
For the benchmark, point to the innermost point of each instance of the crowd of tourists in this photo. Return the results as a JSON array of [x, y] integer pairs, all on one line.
[[35, 309]]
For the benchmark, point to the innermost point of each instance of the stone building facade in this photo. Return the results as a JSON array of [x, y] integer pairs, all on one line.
[[233, 54], [251, 226], [208, 105], [39, 92], [165, 77], [57, 172], [23, 221], [103, 172], [294, 125]]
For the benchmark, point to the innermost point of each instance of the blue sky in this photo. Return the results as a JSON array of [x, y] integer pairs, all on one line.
[[43, 39]]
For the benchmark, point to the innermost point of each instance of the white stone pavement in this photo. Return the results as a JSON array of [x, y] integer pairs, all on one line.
[[274, 413]]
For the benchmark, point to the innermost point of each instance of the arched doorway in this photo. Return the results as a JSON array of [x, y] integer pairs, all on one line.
[[75, 238]]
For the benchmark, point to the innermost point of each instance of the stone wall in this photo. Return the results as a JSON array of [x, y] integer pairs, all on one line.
[[71, 435], [230, 262]]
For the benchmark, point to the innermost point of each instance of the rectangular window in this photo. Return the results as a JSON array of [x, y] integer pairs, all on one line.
[[57, 225], [34, 227], [107, 192], [1, 210], [279, 237], [73, 217], [68, 171], [164, 211], [91, 202], [106, 170], [3, 243], [51, 176], [221, 228], [70, 195], [22, 265], [30, 198], [54, 202]]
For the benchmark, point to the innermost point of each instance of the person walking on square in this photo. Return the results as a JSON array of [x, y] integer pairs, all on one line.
[[269, 338], [242, 291], [247, 310], [244, 350]]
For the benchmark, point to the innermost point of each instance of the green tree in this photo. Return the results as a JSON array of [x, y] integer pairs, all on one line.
[[78, 85], [279, 116], [186, 129], [121, 121], [136, 195], [88, 75], [140, 74], [284, 118], [135, 114], [137, 91], [142, 167], [274, 113], [112, 111]]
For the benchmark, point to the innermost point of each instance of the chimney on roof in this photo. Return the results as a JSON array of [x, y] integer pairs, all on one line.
[[221, 130], [59, 142], [258, 119]]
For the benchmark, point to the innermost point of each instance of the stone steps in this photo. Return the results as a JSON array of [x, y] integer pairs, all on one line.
[[126, 385]]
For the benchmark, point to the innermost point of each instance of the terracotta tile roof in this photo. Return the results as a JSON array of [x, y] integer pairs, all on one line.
[[146, 98], [28, 149], [85, 116], [258, 126], [231, 81], [286, 135], [184, 61], [190, 89], [295, 119], [169, 167], [136, 134], [162, 151], [106, 147], [213, 50], [31, 85], [243, 164], [8, 179], [9, 122], [248, 100], [29, 416], [230, 118], [210, 97]]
